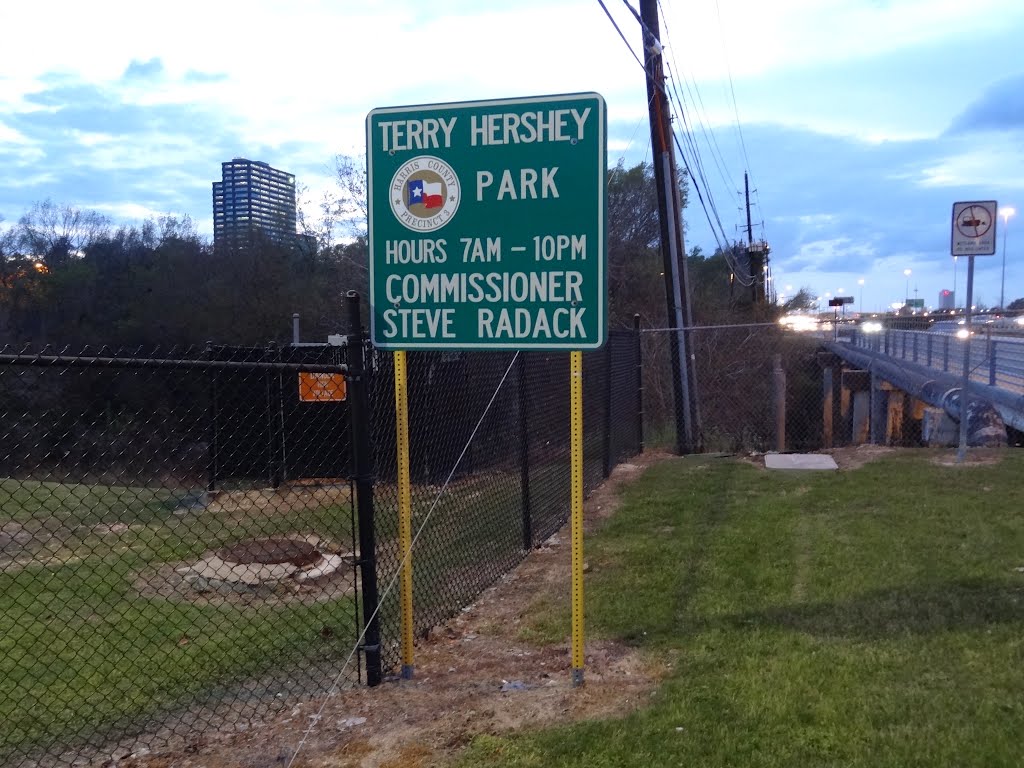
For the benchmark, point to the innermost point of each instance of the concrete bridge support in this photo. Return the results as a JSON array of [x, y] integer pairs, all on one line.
[[896, 398]]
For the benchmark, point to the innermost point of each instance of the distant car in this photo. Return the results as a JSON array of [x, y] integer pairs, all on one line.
[[802, 323], [952, 328]]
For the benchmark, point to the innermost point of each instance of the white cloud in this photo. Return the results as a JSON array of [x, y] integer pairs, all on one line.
[[127, 211], [809, 219], [90, 139], [136, 151], [826, 250], [761, 37], [982, 161], [24, 181], [10, 136]]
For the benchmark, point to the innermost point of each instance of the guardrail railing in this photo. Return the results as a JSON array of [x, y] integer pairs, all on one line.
[[995, 360]]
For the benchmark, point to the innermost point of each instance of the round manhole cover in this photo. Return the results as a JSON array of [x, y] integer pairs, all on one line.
[[268, 551]]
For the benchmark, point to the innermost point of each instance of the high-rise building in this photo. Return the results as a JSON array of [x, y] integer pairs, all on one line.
[[947, 299], [253, 196]]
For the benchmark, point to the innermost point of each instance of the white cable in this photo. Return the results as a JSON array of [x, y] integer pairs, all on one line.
[[707, 327], [394, 579]]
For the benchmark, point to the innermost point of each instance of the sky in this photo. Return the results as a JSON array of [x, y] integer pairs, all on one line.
[[860, 122]]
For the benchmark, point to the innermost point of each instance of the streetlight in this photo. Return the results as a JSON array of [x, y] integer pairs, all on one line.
[[860, 305], [906, 293], [1006, 213]]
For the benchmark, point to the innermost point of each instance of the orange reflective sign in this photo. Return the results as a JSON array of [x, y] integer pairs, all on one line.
[[321, 387]]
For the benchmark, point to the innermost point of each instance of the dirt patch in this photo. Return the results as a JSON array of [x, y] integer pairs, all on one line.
[[474, 675], [847, 457], [976, 457], [274, 571], [14, 537], [856, 456], [852, 457], [293, 498], [35, 541]]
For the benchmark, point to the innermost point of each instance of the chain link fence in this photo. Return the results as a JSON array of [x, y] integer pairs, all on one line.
[[180, 537], [489, 464], [759, 388], [176, 545], [179, 529]]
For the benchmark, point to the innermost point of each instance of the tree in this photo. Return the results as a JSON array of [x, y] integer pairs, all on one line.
[[56, 233], [804, 300], [346, 208], [636, 284]]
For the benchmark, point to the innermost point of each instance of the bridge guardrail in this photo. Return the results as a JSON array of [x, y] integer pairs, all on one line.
[[995, 360]]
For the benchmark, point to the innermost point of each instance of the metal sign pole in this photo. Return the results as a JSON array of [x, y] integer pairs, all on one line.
[[404, 512], [962, 450], [576, 510], [973, 234]]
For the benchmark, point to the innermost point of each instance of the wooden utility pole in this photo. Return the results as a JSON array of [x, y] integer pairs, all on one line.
[[684, 377]]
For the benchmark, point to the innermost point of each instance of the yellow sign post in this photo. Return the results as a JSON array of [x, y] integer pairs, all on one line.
[[404, 511], [576, 509]]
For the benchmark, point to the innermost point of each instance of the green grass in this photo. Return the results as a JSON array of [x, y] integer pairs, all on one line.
[[871, 617], [473, 535], [84, 652], [30, 501]]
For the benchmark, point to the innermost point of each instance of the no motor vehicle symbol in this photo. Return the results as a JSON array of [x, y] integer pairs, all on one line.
[[974, 221]]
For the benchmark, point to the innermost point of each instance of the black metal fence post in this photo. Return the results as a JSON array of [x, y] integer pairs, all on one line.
[[273, 404], [362, 463], [211, 426], [608, 363], [524, 454], [639, 381]]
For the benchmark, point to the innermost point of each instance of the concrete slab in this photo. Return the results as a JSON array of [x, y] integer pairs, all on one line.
[[799, 461]]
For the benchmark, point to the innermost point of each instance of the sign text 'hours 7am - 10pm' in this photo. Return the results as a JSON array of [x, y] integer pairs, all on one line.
[[487, 224]]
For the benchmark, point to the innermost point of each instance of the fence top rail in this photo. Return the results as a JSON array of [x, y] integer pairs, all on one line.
[[83, 361], [709, 327]]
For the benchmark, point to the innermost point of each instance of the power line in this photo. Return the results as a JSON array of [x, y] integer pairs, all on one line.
[[697, 162], [616, 25], [709, 133], [697, 180], [732, 89], [699, 165]]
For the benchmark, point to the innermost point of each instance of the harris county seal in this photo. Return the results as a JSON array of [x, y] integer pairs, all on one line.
[[424, 193]]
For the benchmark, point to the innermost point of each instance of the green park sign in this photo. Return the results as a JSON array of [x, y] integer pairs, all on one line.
[[487, 224]]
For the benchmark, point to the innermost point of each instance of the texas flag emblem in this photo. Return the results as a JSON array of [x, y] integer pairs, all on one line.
[[425, 193]]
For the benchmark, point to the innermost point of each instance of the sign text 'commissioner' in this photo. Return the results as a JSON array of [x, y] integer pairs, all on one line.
[[487, 224]]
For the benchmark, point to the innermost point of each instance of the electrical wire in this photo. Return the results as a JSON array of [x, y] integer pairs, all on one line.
[[697, 98], [697, 178], [615, 24], [736, 114], [740, 275], [732, 89]]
